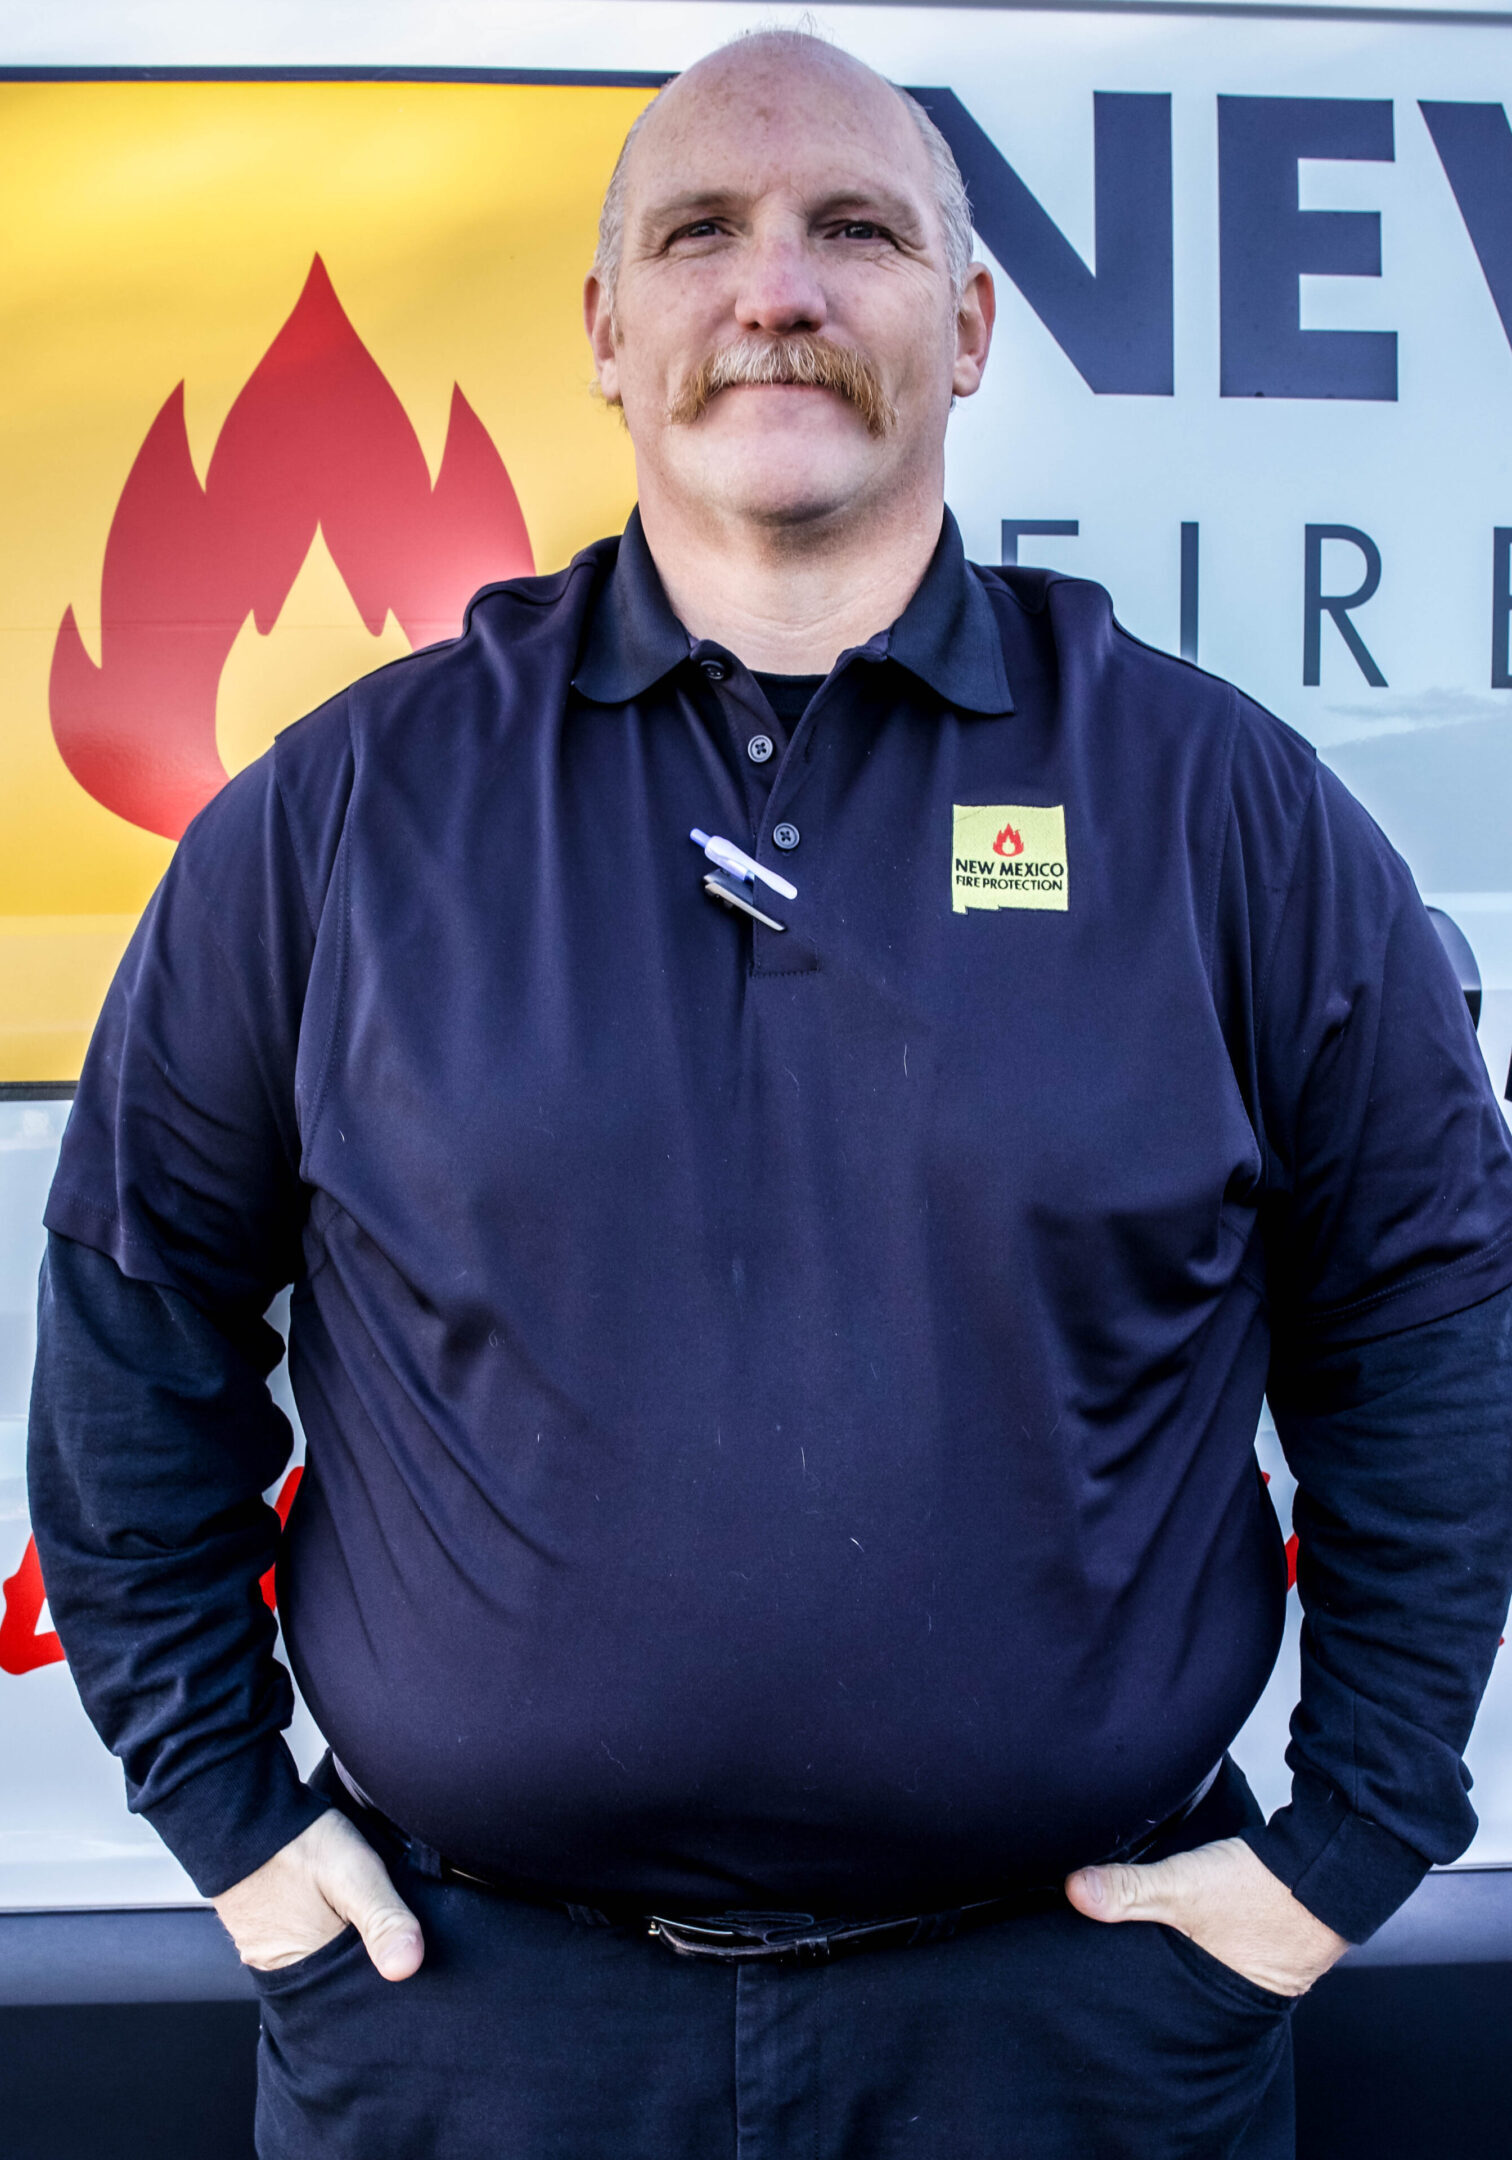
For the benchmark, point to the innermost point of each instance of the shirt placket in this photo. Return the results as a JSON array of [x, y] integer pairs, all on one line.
[[782, 774], [757, 736], [789, 838]]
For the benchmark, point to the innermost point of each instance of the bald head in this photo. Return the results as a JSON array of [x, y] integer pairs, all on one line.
[[742, 79], [783, 304]]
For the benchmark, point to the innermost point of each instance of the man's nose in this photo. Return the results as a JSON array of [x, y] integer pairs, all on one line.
[[780, 290]]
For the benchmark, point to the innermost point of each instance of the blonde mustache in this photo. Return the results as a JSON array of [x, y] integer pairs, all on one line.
[[809, 362]]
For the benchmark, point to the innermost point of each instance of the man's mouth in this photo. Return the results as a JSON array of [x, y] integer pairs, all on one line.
[[800, 363]]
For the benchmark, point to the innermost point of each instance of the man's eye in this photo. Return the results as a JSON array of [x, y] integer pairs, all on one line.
[[863, 229], [702, 230]]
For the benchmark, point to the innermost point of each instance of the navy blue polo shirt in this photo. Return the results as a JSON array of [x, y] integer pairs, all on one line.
[[780, 1402]]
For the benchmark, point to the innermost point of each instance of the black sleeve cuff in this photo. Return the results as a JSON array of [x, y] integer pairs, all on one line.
[[227, 1820], [1349, 1872]]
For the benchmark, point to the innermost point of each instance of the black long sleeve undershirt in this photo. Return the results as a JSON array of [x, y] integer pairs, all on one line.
[[1402, 1452], [153, 1438]]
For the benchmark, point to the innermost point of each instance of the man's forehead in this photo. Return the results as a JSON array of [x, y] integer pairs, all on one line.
[[741, 125]]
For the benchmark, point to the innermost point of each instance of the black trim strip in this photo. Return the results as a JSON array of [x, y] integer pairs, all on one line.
[[38, 1090], [1457, 1916], [569, 78], [129, 1954]]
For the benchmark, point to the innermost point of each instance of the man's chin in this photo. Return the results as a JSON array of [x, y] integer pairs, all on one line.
[[792, 509], [772, 483]]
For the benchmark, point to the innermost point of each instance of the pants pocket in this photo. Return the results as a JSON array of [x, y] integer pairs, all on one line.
[[1234, 1990], [285, 1979]]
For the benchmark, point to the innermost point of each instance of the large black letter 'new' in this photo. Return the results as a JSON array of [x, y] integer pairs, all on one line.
[[1267, 243], [1115, 324], [1474, 144]]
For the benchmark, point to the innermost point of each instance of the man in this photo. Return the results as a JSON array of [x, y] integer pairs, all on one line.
[[780, 1329]]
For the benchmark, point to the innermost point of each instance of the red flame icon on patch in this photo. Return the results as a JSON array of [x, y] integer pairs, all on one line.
[[1008, 843], [317, 437]]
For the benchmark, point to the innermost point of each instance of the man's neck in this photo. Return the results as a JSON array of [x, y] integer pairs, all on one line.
[[788, 600]]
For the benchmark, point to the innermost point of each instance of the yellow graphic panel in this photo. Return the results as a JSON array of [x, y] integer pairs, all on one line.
[[287, 370]]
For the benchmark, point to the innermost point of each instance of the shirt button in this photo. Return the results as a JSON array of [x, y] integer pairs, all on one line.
[[714, 669], [759, 749], [786, 836]]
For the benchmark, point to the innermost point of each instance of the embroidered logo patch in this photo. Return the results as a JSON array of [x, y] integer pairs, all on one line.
[[1008, 855]]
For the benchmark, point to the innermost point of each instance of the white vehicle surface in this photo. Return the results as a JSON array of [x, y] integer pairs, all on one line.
[[1253, 373]]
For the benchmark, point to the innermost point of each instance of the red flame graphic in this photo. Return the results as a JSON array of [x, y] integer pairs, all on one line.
[[285, 1500], [22, 1648], [1291, 1548], [317, 437], [1008, 843]]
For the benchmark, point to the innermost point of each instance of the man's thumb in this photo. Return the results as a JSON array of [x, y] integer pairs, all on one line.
[[363, 1894], [1115, 1892]]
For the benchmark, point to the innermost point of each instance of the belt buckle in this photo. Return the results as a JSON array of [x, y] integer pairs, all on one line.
[[738, 1936]]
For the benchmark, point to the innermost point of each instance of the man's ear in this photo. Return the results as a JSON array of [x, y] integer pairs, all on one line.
[[598, 321], [974, 324]]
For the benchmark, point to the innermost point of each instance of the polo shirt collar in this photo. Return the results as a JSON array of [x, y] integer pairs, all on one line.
[[633, 636], [947, 635]]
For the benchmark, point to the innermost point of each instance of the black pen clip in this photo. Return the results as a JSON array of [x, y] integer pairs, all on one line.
[[723, 886]]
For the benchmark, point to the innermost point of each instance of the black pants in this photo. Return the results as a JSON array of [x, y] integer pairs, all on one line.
[[528, 2035]]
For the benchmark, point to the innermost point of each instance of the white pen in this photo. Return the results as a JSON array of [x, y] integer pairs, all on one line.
[[730, 857]]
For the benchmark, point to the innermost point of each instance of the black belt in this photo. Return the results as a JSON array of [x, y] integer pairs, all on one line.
[[791, 1937], [804, 1939]]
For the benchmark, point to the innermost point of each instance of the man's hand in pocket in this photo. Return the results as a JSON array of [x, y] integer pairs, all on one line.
[[1228, 1902], [309, 1891]]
